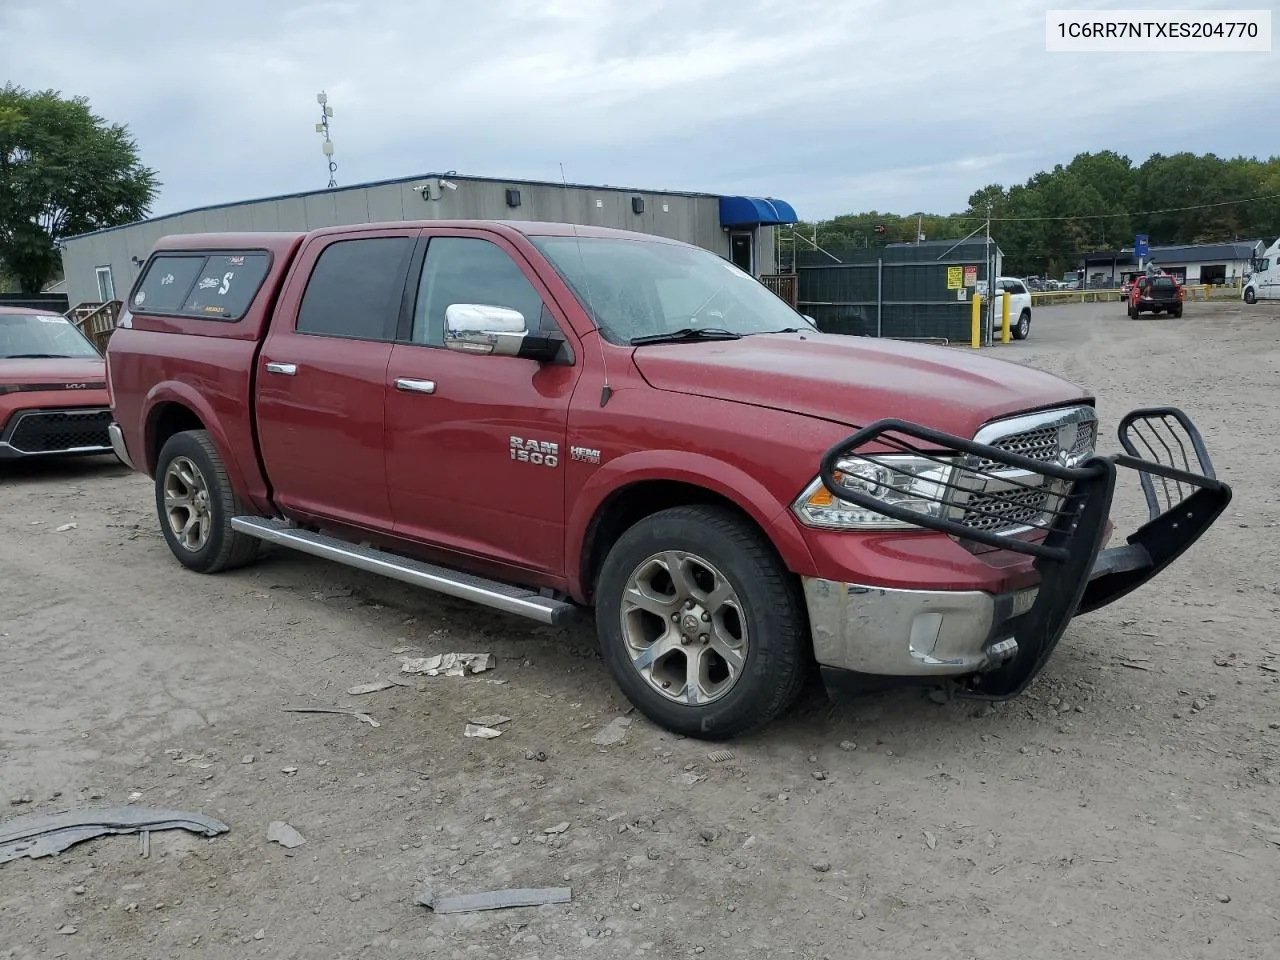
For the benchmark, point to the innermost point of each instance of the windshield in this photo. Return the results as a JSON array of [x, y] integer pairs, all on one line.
[[40, 335], [634, 288]]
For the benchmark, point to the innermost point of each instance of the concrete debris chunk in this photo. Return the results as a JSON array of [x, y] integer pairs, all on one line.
[[558, 828], [494, 900], [282, 833], [63, 529], [613, 733], [449, 664], [480, 732]]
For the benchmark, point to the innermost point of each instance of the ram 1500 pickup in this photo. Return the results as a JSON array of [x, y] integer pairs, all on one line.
[[548, 419]]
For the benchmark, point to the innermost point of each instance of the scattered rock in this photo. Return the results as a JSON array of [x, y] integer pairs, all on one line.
[[614, 732], [288, 771], [1199, 704], [931, 840], [66, 930], [78, 891], [848, 746], [19, 801], [635, 907], [538, 755], [720, 756], [859, 914], [1223, 898], [260, 933], [479, 732], [813, 758], [822, 866], [63, 529], [247, 758], [559, 828], [709, 835]]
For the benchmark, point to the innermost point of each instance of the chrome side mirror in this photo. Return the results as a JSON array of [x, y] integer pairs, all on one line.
[[484, 328]]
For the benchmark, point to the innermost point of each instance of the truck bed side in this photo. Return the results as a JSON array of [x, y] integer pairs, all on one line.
[[170, 372]]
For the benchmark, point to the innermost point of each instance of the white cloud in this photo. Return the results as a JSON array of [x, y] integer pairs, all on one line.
[[835, 106]]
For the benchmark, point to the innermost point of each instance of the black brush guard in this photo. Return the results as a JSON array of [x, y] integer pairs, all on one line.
[[1183, 495]]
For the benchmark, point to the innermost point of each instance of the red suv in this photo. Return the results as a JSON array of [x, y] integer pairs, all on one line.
[[1155, 295], [53, 390]]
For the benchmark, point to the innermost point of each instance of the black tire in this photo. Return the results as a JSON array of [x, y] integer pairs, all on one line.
[[221, 548], [1022, 329], [1133, 312], [1175, 312], [1250, 296], [778, 651]]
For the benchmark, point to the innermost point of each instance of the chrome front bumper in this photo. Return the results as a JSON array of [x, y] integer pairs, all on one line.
[[911, 633], [117, 444]]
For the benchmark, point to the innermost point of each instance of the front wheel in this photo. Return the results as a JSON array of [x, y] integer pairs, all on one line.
[[701, 624], [1250, 296], [195, 503]]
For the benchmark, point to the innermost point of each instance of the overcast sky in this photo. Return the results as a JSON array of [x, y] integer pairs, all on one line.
[[833, 105]]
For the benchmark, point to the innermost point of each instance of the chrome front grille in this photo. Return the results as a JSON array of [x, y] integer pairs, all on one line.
[[1002, 499]]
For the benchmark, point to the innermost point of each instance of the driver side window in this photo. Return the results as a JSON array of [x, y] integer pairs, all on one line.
[[471, 270]]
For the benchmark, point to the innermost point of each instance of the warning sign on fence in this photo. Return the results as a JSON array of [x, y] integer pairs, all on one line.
[[955, 278], [971, 276]]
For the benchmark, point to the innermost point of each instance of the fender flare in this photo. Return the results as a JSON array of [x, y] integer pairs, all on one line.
[[695, 469], [187, 396]]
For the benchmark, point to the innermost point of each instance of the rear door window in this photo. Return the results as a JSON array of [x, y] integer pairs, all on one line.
[[211, 286], [355, 289]]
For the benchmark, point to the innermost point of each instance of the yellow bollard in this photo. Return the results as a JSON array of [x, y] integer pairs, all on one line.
[[975, 332], [1004, 319]]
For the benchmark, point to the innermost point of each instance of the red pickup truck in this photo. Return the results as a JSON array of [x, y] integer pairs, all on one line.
[[548, 419]]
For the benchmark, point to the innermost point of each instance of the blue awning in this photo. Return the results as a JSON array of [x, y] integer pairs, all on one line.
[[755, 212]]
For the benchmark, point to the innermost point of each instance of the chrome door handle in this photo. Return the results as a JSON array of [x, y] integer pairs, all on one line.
[[288, 369], [416, 386]]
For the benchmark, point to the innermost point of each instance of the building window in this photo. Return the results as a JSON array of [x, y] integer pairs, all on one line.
[[106, 284]]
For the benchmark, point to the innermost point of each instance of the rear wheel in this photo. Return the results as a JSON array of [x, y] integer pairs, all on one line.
[[1175, 312], [195, 503], [702, 626], [1022, 328]]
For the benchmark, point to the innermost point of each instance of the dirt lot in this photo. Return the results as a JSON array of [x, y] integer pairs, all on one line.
[[1113, 811]]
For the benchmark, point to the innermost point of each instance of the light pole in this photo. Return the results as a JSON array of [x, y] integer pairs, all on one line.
[[322, 128]]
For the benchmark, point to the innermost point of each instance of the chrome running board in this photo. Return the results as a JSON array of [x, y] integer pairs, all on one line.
[[490, 593]]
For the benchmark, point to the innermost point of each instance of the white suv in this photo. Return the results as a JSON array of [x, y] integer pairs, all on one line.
[[1019, 305]]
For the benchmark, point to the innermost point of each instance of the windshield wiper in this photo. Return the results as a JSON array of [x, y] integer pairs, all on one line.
[[38, 356], [687, 333]]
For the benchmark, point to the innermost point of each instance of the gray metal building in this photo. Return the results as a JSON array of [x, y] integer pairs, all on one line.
[[102, 266]]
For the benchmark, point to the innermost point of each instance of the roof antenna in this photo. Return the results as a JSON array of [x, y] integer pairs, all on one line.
[[606, 391]]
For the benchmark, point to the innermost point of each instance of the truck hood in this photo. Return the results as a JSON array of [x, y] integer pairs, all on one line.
[[55, 373], [856, 380]]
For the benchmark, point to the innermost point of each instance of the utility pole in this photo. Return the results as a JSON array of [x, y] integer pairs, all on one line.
[[322, 128], [991, 283]]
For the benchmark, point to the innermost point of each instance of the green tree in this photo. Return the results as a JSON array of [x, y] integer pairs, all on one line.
[[63, 171]]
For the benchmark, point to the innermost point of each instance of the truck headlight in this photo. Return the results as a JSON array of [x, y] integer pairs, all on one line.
[[909, 482]]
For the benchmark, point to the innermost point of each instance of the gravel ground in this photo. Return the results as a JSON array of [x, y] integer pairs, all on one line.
[[1120, 811]]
